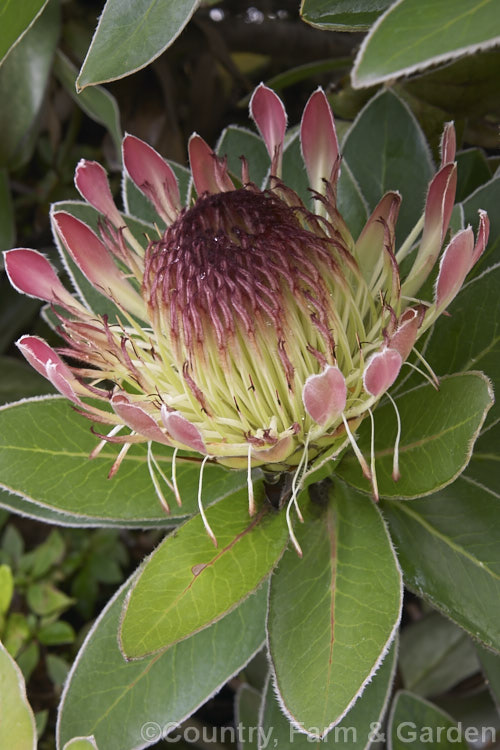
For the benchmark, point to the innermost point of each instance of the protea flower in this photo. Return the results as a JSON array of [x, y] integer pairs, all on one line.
[[253, 330]]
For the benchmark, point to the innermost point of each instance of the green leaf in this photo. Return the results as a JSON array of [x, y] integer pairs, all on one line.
[[15, 20], [435, 655], [97, 103], [23, 507], [438, 433], [44, 599], [23, 78], [350, 202], [13, 545], [138, 698], [415, 34], [6, 588], [19, 380], [17, 723], [306, 71], [131, 34], [466, 339], [342, 15], [57, 669], [247, 705], [415, 723], [490, 664], [333, 614], [7, 223], [294, 172], [48, 554], [386, 150], [56, 633], [235, 142], [28, 659], [81, 743], [44, 449], [452, 537], [353, 731], [16, 634], [483, 468], [472, 172], [187, 583]]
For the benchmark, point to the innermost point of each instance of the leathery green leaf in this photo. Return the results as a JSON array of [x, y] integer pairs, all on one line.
[[23, 80], [139, 701], [354, 730], [415, 720], [334, 613], [414, 34], [386, 150], [438, 432], [44, 449], [435, 655], [81, 743], [246, 710], [97, 103], [17, 723], [465, 340], [342, 15], [15, 20], [450, 538], [130, 34], [188, 583]]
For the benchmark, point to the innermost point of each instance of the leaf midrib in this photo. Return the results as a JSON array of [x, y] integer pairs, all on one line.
[[404, 506]]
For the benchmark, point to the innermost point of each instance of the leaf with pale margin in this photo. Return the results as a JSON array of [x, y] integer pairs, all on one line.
[[162, 690], [435, 655], [353, 731], [333, 614], [448, 548], [15, 20], [483, 469], [304, 72], [17, 723], [386, 150], [97, 103], [130, 35], [438, 432], [44, 449], [410, 715], [81, 743], [342, 15], [466, 339], [415, 34], [23, 507], [187, 583]]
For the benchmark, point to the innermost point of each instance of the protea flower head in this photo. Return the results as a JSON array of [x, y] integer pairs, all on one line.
[[253, 330]]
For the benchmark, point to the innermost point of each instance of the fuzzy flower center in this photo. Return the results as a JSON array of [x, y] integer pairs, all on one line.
[[235, 265]]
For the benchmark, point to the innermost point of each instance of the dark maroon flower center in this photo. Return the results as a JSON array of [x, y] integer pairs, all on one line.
[[232, 262]]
